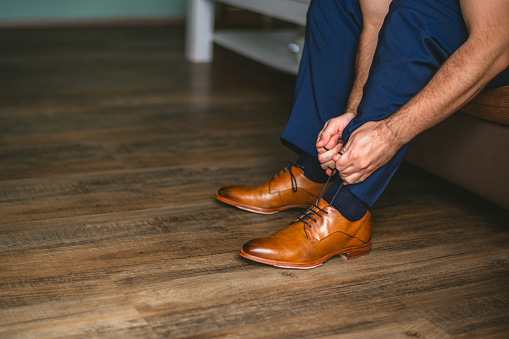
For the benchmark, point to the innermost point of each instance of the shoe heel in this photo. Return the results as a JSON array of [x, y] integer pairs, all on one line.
[[357, 253]]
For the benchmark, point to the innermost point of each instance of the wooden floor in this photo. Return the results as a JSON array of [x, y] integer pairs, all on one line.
[[111, 149]]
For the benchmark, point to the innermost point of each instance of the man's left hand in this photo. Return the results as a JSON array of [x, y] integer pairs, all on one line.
[[369, 147]]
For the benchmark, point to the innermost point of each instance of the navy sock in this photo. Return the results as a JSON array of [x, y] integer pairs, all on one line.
[[345, 202], [312, 169]]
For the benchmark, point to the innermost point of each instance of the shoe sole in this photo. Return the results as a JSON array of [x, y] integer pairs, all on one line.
[[258, 210], [347, 254]]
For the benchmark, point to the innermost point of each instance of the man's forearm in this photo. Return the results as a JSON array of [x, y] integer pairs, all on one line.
[[464, 74], [461, 77], [373, 15], [365, 51]]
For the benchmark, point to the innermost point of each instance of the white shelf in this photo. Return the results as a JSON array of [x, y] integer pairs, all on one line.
[[270, 48], [267, 47]]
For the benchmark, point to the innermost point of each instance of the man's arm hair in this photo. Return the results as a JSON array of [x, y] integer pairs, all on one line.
[[373, 14], [484, 54]]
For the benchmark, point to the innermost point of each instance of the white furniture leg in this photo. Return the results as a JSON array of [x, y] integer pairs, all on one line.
[[199, 31]]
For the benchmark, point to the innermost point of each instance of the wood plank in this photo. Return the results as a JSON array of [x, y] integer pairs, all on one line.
[[89, 317]]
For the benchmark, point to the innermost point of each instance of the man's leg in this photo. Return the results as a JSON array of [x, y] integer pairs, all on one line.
[[326, 72], [322, 89], [415, 40]]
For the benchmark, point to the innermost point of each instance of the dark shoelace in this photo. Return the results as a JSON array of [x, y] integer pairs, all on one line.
[[292, 176], [311, 212]]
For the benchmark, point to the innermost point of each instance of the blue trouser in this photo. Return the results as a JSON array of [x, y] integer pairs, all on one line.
[[416, 38]]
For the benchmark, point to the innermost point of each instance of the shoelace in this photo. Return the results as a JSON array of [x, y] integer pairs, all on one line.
[[311, 212], [292, 176]]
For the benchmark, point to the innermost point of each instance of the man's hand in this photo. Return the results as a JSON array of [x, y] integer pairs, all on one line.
[[329, 141], [369, 147]]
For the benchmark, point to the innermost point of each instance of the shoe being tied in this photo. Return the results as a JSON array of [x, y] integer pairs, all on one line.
[[287, 189], [319, 234]]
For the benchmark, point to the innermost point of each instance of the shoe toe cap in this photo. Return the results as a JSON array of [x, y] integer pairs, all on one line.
[[235, 193], [267, 248], [224, 191], [270, 251]]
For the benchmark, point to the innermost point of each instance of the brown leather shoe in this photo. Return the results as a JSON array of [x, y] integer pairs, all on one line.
[[309, 241], [288, 189]]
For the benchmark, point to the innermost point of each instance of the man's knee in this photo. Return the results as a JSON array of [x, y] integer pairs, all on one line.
[[436, 26], [420, 14], [405, 14]]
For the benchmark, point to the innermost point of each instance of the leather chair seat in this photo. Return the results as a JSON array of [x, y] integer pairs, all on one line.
[[491, 105]]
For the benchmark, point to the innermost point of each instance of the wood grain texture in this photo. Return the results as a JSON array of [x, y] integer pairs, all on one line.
[[112, 147]]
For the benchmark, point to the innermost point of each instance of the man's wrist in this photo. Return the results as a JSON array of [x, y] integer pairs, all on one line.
[[400, 136], [353, 114]]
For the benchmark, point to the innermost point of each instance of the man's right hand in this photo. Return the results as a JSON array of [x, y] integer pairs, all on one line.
[[330, 142]]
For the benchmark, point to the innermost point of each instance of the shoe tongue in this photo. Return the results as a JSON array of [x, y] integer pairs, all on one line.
[[319, 208], [322, 228], [323, 204]]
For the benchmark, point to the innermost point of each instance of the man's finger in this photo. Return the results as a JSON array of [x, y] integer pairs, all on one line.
[[323, 140], [352, 179], [328, 164], [324, 136], [325, 156], [342, 154], [348, 171], [333, 142]]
